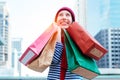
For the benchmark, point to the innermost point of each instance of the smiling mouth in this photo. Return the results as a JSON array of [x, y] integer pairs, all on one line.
[[64, 23]]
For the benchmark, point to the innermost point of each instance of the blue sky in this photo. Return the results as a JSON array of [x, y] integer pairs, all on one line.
[[93, 19]]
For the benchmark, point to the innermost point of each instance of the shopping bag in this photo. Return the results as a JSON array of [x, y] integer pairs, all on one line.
[[36, 47], [89, 45], [78, 62], [45, 58]]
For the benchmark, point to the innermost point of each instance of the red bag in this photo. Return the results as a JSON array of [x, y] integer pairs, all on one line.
[[36, 47], [89, 45]]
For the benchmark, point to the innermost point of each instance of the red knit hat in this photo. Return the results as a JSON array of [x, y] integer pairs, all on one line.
[[69, 10]]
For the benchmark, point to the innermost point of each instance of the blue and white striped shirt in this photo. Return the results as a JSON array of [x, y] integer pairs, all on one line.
[[54, 70]]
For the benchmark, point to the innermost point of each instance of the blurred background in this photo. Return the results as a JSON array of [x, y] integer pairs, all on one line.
[[22, 21]]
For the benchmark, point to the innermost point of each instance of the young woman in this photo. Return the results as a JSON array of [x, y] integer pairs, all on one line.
[[64, 17]]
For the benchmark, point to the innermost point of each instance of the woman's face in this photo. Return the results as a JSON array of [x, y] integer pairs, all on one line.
[[64, 19]]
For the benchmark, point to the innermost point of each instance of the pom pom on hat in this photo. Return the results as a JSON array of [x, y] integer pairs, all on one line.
[[69, 10]]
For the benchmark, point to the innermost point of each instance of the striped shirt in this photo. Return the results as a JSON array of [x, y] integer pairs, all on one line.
[[54, 70]]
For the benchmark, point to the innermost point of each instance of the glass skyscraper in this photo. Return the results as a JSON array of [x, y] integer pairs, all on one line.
[[109, 37], [16, 52], [110, 13], [4, 33]]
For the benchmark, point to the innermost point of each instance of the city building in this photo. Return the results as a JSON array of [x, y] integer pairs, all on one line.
[[4, 33], [17, 44], [5, 70], [16, 52], [109, 36], [1, 41], [80, 8], [110, 39]]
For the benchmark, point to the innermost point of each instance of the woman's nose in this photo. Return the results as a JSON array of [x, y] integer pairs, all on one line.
[[64, 16]]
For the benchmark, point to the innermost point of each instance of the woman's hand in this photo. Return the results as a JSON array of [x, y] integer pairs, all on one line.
[[59, 32]]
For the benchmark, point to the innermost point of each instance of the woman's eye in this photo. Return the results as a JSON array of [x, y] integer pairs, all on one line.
[[67, 14], [60, 14]]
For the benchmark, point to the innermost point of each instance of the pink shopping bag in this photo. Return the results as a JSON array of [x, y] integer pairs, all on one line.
[[43, 61], [36, 47]]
